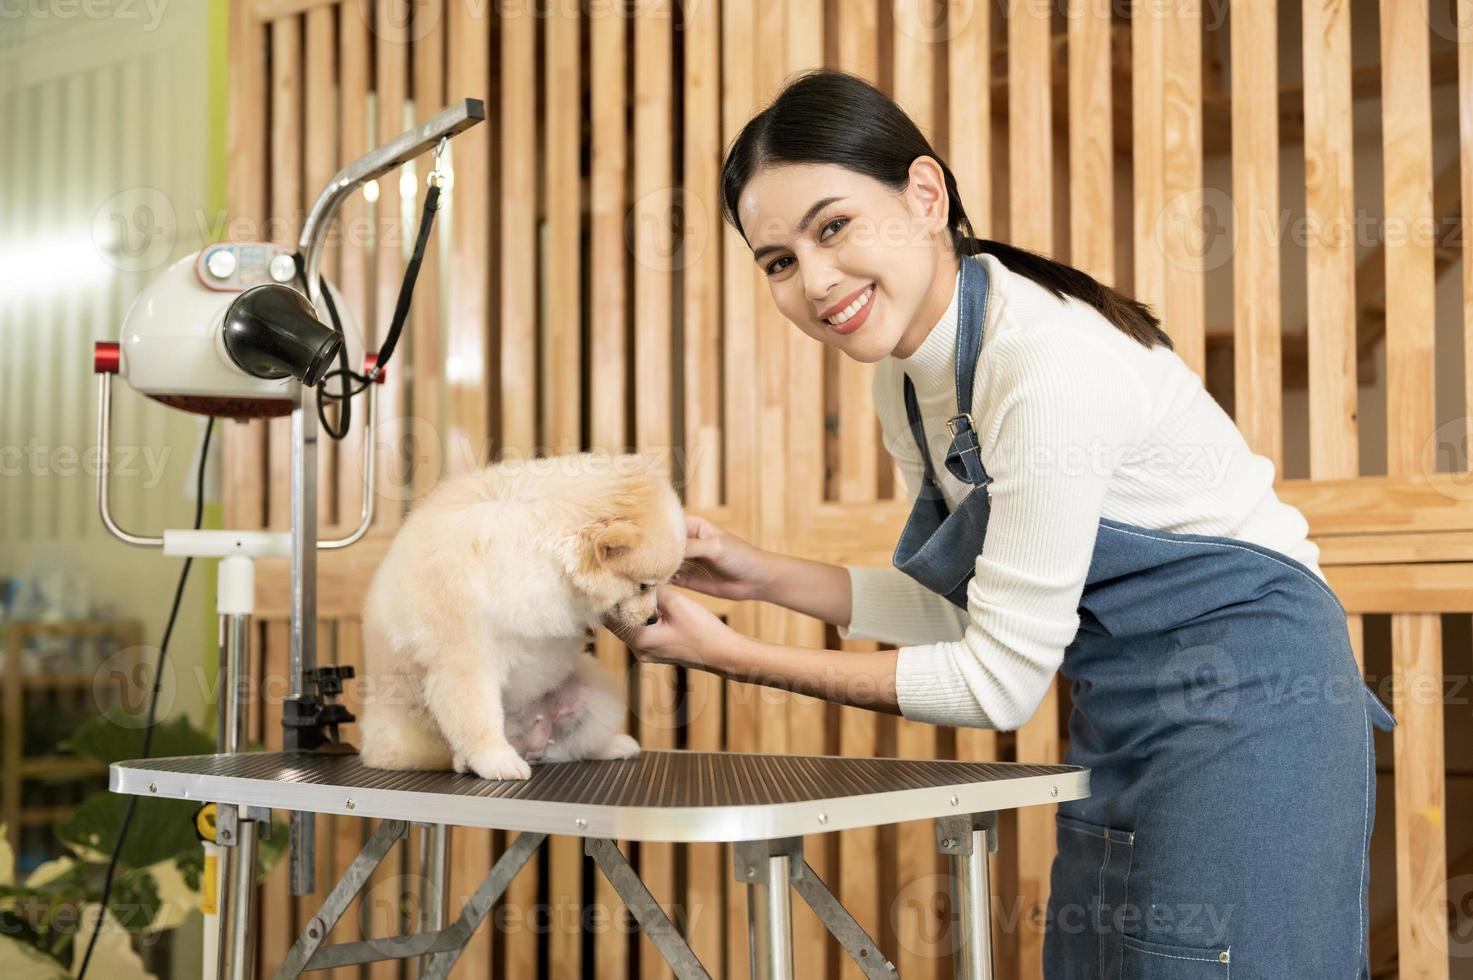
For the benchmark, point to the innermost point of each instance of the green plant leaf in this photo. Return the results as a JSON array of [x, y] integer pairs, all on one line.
[[19, 961], [118, 736], [162, 829], [134, 901]]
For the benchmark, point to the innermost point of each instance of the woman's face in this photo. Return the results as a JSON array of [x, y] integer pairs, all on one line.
[[852, 263]]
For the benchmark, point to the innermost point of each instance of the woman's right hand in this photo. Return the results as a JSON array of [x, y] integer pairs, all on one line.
[[721, 564]]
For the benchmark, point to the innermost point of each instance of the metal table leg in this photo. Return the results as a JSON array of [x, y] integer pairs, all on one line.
[[236, 832], [967, 840], [434, 871], [766, 866]]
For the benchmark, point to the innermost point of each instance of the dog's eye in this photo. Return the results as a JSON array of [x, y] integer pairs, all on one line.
[[646, 586]]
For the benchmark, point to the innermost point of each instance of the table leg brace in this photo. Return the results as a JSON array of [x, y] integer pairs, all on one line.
[[646, 911]]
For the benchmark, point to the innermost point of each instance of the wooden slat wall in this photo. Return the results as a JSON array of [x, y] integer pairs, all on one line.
[[1416, 639], [677, 348]]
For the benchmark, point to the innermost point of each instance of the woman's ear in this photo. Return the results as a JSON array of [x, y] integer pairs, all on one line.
[[927, 192]]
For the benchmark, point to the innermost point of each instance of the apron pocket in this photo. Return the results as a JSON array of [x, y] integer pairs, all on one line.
[[1090, 902], [1146, 960]]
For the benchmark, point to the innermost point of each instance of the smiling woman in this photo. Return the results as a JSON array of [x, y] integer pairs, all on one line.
[[1029, 408]]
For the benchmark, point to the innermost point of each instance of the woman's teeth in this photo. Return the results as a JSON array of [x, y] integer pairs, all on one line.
[[838, 319]]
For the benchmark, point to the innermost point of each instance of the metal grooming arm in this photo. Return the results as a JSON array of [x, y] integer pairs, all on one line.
[[447, 123]]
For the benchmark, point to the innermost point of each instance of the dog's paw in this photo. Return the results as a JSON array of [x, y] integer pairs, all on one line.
[[620, 747], [501, 763]]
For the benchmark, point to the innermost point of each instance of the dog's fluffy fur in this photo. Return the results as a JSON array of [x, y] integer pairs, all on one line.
[[477, 621]]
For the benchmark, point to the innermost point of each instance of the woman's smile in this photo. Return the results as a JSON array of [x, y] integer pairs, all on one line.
[[852, 315]]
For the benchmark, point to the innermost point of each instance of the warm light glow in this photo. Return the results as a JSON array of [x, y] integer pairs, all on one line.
[[74, 262], [370, 191]]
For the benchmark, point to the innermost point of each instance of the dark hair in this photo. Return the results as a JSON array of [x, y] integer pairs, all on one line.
[[830, 116]]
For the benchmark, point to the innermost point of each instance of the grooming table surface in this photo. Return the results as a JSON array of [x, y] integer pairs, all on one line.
[[656, 796]]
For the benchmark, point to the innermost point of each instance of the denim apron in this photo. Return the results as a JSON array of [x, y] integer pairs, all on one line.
[[1227, 731]]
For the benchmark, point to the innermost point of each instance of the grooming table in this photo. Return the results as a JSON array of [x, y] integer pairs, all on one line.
[[764, 804]]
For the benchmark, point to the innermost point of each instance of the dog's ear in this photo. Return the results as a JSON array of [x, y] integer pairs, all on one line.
[[606, 539]]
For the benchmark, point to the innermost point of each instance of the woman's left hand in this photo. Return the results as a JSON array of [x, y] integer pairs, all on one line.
[[687, 634]]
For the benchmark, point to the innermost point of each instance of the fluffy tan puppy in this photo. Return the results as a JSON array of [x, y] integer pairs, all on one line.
[[476, 622]]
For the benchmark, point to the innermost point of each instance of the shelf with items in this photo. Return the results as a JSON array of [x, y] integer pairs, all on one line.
[[55, 674]]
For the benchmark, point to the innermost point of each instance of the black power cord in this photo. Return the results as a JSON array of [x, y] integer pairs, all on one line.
[[352, 382], [153, 701]]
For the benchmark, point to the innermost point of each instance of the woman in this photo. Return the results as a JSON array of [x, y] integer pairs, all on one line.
[[1080, 503]]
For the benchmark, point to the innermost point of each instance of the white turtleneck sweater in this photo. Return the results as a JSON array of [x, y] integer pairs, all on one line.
[[1076, 421]]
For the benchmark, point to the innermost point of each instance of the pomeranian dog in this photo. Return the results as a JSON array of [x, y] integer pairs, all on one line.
[[477, 622]]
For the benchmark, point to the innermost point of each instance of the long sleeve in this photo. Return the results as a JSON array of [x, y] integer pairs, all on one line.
[[1056, 413], [886, 604]]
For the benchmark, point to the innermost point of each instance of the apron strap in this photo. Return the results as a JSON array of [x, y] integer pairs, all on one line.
[[964, 455]]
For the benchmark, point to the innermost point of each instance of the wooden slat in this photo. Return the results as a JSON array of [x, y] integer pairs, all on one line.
[[1360, 549], [807, 717], [467, 349], [739, 296], [1255, 156], [1030, 169], [518, 330], [1329, 192], [427, 387], [706, 868], [653, 382], [769, 72], [1406, 133], [1421, 797], [1424, 587], [320, 151], [1181, 133], [607, 385], [1465, 145], [391, 81], [859, 872], [859, 444], [243, 447], [970, 157], [916, 858], [1091, 141], [562, 131], [1148, 153], [355, 269], [518, 244]]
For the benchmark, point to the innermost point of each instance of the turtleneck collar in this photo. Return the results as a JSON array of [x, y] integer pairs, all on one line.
[[931, 366]]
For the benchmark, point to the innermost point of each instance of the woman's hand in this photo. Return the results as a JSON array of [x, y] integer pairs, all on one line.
[[721, 564], [687, 634]]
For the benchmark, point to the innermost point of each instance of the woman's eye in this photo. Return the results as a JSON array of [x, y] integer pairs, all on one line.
[[841, 222], [773, 267]]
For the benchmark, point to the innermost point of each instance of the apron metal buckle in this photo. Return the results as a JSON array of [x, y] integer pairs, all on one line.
[[955, 423]]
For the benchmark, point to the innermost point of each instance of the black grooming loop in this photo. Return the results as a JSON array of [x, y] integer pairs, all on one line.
[[436, 180]]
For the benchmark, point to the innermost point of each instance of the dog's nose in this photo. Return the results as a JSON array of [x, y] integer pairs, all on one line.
[[654, 618]]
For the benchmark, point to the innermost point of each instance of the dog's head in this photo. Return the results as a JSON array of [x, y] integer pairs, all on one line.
[[631, 540]]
